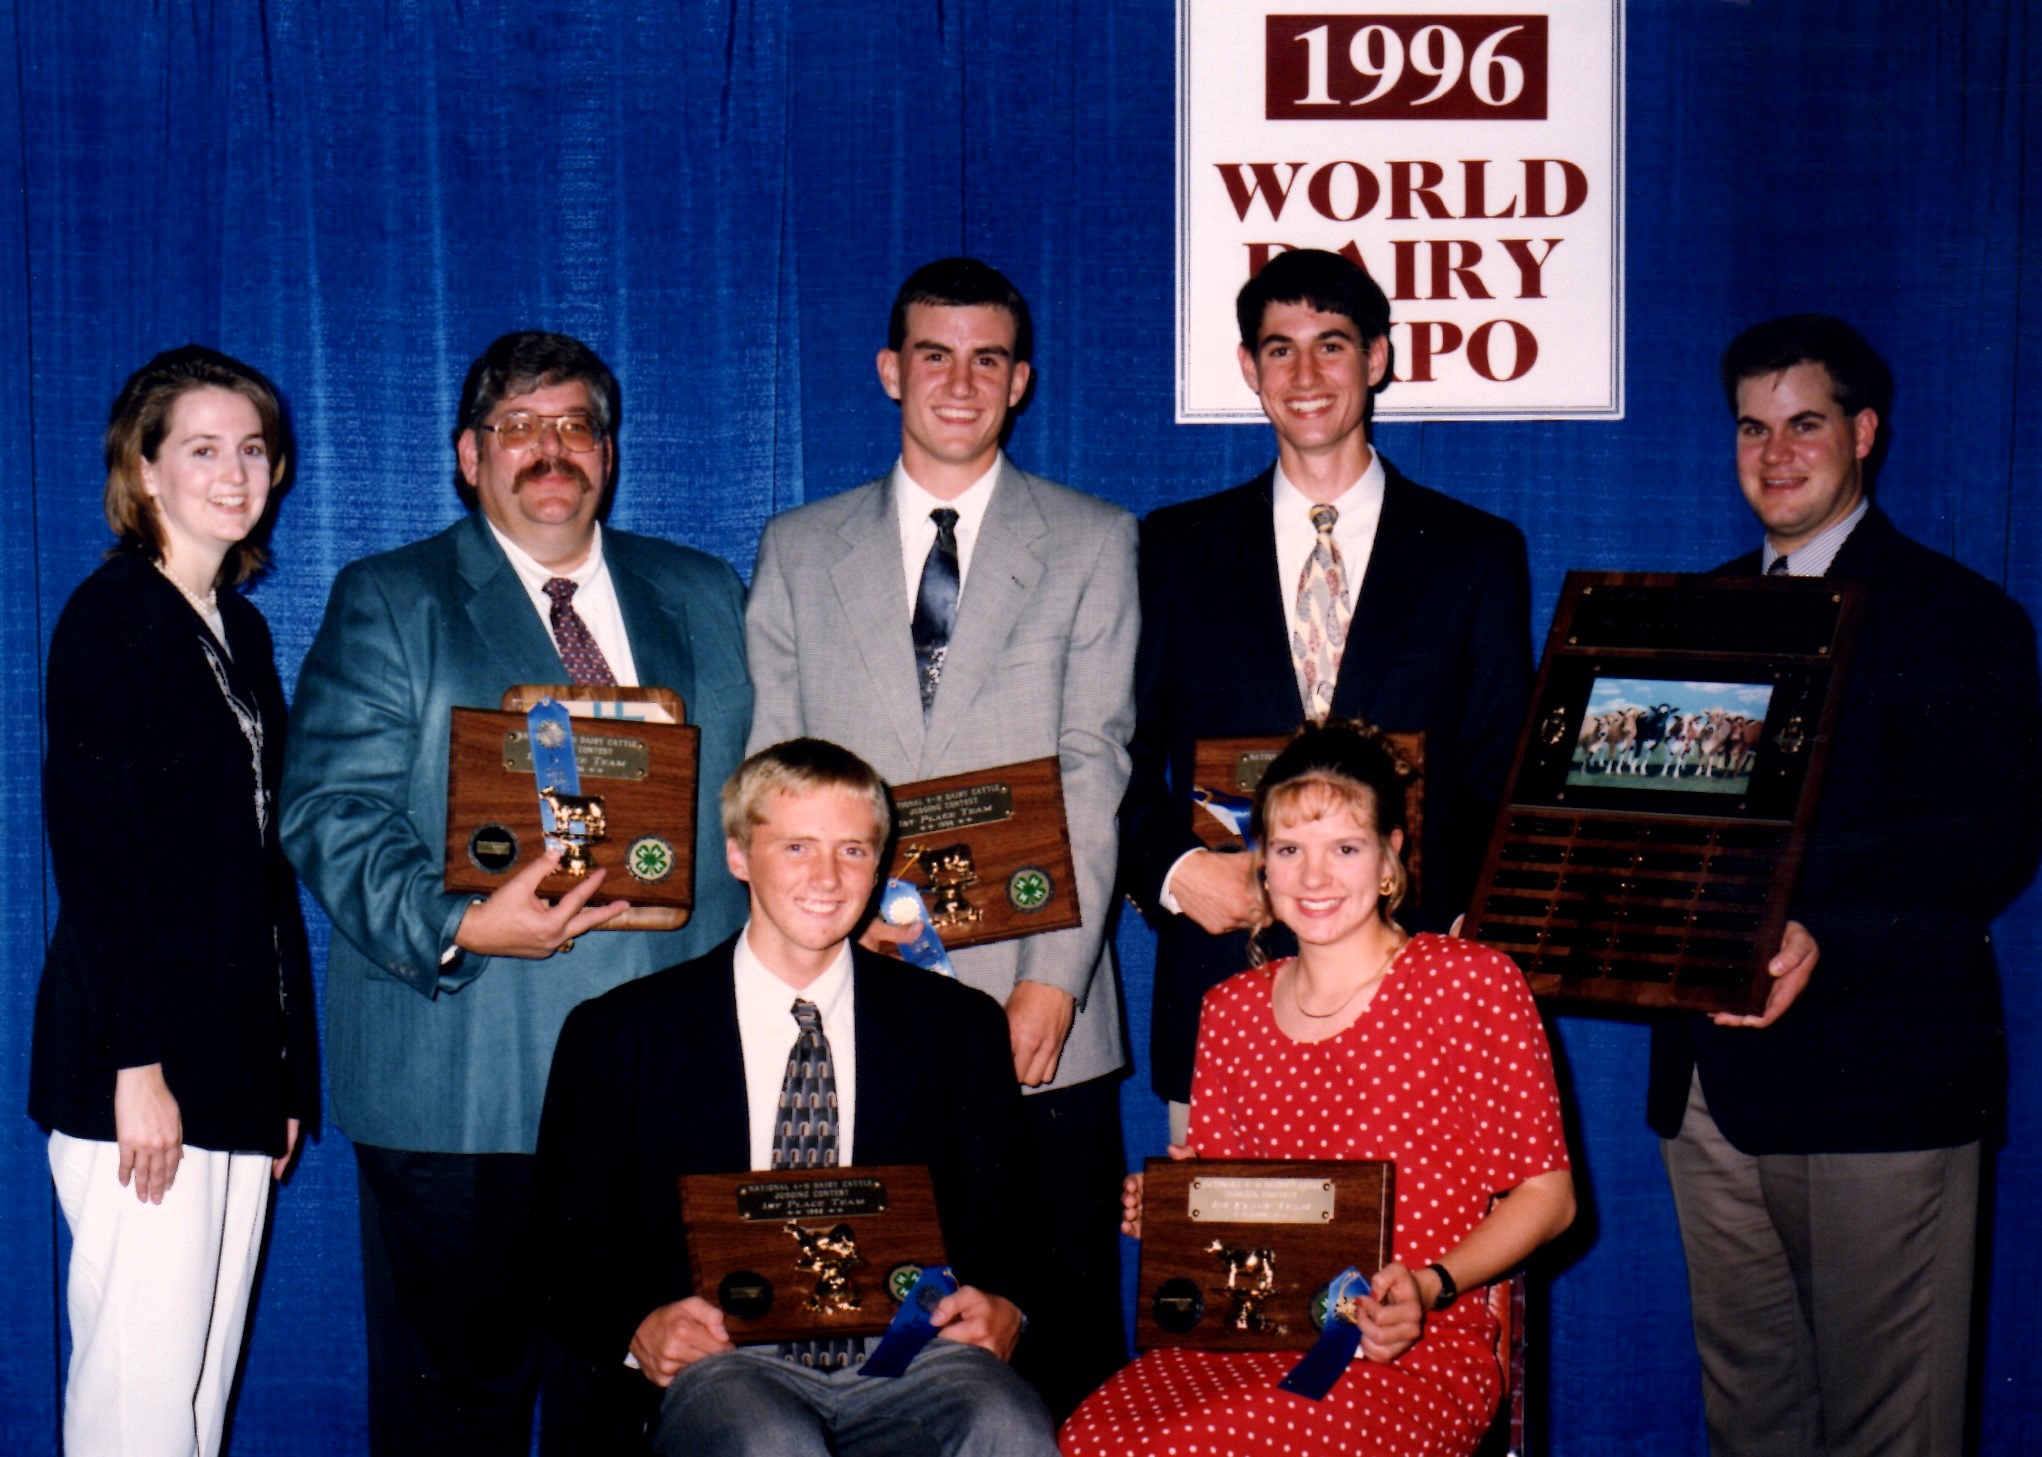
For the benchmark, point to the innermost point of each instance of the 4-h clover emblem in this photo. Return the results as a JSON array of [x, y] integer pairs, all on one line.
[[1028, 889], [649, 859]]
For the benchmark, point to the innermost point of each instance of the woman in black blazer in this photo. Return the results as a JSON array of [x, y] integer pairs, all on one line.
[[174, 1060]]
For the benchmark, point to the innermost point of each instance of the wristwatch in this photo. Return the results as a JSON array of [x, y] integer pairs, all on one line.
[[1448, 1291]]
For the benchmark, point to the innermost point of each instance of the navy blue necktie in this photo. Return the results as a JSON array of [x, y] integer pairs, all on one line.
[[936, 605]]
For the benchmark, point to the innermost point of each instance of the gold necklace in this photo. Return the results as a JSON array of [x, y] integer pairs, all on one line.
[[1380, 972], [206, 606]]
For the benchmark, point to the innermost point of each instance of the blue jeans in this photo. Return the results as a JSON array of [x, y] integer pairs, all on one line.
[[954, 1401]]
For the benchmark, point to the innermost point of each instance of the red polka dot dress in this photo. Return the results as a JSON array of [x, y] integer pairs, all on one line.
[[1447, 1074]]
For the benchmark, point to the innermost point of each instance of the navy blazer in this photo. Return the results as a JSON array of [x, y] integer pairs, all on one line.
[[451, 1057], [1441, 643], [179, 939], [1930, 823], [648, 1084]]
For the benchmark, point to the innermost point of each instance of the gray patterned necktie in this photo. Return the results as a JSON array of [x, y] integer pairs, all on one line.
[[936, 605], [805, 1137], [1320, 637]]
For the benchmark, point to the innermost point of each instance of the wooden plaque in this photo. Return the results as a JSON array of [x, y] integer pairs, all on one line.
[[990, 852], [1278, 1228], [633, 750], [1236, 766], [1669, 768], [768, 1248]]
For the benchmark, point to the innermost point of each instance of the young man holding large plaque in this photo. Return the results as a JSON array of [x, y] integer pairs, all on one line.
[[442, 1007], [787, 1048], [1329, 584], [1824, 1157], [953, 616]]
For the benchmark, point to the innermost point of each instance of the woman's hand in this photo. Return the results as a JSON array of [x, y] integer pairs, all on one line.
[[1131, 1194], [279, 1165], [149, 1130], [1392, 1314]]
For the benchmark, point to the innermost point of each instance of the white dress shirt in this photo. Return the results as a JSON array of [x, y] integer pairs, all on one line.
[[766, 1029], [595, 599], [918, 532]]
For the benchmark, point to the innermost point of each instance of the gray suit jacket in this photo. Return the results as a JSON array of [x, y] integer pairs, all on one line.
[[1041, 662], [452, 1058]]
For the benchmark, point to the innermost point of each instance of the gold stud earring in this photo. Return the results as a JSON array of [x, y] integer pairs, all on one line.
[[1386, 886]]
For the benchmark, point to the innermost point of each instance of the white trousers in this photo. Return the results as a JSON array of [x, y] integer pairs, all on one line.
[[158, 1297]]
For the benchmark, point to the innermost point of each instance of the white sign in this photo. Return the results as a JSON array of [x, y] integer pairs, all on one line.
[[1470, 156]]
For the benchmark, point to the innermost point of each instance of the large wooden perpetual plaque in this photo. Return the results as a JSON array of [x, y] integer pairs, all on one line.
[[1670, 767], [990, 852], [1234, 767], [782, 1253], [1235, 1252], [634, 750]]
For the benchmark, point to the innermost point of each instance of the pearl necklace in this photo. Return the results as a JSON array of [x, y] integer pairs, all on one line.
[[1366, 982], [206, 606]]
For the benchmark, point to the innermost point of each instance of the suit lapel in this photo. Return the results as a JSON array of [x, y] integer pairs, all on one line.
[[1262, 614], [1397, 564], [881, 1089], [868, 582], [501, 612], [713, 1072], [1004, 571], [656, 623]]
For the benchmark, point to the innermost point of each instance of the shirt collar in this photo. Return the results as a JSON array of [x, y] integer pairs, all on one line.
[[535, 575], [916, 502], [1367, 492], [1813, 557], [756, 980]]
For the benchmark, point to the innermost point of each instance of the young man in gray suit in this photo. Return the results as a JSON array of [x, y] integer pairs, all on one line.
[[439, 1029], [955, 614]]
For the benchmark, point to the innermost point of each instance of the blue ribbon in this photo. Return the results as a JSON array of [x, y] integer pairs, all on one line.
[[1339, 1339], [552, 737], [1231, 810], [910, 1330], [900, 904]]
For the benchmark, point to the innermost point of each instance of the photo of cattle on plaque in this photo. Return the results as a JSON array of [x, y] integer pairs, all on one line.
[[1668, 734]]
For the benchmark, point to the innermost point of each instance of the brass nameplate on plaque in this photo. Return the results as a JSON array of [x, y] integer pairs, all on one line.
[[954, 810], [823, 1199], [1250, 767], [1262, 1201], [596, 756]]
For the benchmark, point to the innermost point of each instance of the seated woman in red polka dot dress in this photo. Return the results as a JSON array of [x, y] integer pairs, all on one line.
[[1368, 1044]]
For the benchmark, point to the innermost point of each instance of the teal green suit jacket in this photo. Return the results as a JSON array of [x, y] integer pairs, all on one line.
[[452, 1058]]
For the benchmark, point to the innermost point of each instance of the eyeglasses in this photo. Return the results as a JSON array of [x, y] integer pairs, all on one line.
[[521, 428]]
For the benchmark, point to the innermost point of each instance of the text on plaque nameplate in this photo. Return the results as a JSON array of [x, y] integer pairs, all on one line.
[[1262, 1201], [814, 1199], [953, 809], [596, 756]]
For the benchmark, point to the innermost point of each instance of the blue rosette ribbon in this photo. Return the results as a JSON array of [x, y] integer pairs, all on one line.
[[910, 1330], [551, 734], [1339, 1338], [900, 904]]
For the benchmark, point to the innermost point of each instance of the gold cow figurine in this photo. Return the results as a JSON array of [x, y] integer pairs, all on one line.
[[1251, 1279], [950, 872], [830, 1257], [578, 822]]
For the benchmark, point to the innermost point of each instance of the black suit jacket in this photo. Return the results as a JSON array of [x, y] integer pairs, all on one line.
[[648, 1084], [179, 939], [1927, 828], [1441, 643]]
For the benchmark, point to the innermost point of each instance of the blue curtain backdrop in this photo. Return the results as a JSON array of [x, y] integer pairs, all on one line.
[[722, 197]]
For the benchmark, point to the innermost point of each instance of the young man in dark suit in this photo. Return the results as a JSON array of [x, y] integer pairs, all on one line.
[[688, 1071], [1328, 584], [1824, 1156]]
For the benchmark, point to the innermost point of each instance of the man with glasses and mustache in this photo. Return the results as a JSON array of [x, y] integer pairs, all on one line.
[[440, 1028]]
